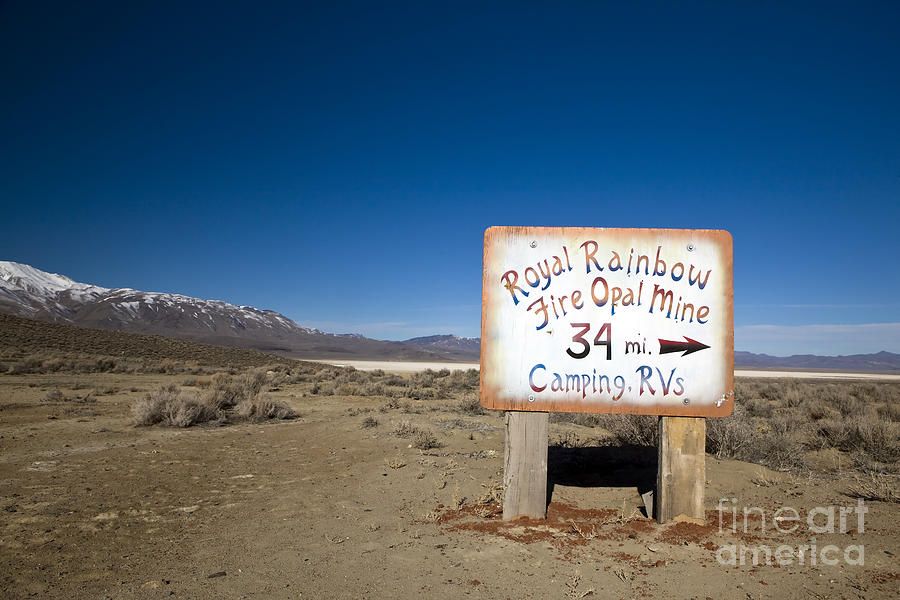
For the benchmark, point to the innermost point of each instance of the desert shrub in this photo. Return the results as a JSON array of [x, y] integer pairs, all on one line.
[[816, 410], [849, 405], [395, 404], [252, 382], [422, 393], [404, 429], [771, 391], [373, 389], [170, 406], [470, 405], [187, 411], [777, 441], [833, 433], [393, 379], [873, 392], [425, 440], [30, 364], [424, 379], [457, 381], [877, 438], [583, 419], [54, 396], [792, 397], [730, 436], [370, 422], [262, 407], [777, 449], [226, 391], [169, 366], [149, 409], [636, 430], [758, 407], [876, 486], [890, 411], [53, 365]]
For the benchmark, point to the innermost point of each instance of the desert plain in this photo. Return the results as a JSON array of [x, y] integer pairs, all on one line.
[[307, 480]]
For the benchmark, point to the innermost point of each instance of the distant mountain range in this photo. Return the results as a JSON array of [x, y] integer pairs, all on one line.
[[881, 361], [29, 292]]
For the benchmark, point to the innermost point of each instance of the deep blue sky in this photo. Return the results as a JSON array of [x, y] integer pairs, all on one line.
[[339, 164]]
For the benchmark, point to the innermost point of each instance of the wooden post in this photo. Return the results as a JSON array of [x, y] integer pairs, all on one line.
[[525, 465], [681, 475]]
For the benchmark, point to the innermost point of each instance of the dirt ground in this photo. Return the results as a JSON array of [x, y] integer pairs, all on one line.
[[324, 507]]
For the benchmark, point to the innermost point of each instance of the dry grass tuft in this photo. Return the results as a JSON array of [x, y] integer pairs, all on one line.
[[584, 532], [493, 493]]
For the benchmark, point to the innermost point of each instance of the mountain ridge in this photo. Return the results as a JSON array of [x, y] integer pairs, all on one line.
[[28, 292], [882, 361]]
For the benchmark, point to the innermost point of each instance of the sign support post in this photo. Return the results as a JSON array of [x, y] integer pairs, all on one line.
[[525, 465], [681, 471]]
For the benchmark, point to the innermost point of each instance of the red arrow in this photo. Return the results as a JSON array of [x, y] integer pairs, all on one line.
[[667, 346]]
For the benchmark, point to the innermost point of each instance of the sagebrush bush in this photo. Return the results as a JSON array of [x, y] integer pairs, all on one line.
[[425, 440], [262, 407], [891, 412], [404, 429], [729, 437], [470, 405], [54, 396], [240, 397], [632, 430], [172, 407]]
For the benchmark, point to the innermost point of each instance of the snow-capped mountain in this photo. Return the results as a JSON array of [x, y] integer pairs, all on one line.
[[29, 292]]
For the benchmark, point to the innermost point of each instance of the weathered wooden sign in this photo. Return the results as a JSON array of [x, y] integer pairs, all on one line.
[[602, 320]]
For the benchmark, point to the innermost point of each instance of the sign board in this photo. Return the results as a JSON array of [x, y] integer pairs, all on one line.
[[599, 320]]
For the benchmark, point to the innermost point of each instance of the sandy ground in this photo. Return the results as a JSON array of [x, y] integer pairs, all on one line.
[[323, 507], [406, 367]]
